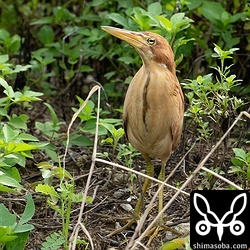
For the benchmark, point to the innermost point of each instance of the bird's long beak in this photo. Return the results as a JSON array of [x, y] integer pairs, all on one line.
[[131, 37]]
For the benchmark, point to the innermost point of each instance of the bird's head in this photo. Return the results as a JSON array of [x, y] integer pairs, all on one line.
[[150, 46]]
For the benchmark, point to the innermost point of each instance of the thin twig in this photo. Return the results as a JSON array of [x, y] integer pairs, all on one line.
[[74, 235], [222, 178], [92, 91], [138, 173]]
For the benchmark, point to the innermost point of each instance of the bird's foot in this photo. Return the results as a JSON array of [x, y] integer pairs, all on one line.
[[129, 222], [153, 232]]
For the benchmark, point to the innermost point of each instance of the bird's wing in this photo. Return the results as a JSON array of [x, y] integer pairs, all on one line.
[[176, 127]]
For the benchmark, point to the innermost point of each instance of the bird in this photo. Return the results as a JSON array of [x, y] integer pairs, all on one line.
[[153, 108]]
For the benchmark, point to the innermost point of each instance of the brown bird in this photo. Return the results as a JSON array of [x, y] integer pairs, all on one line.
[[154, 103]]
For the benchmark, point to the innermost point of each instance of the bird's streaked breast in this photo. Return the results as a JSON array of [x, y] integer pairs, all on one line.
[[151, 106]]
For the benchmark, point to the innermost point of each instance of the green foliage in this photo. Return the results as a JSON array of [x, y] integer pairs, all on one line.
[[51, 130], [210, 99], [15, 144], [14, 234], [241, 166], [107, 126], [49, 172], [208, 180], [7, 68], [59, 199], [222, 22], [9, 44], [116, 135], [126, 155], [54, 241], [67, 38]]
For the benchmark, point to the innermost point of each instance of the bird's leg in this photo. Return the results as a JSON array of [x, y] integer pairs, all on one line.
[[161, 177], [160, 223], [150, 172], [138, 206]]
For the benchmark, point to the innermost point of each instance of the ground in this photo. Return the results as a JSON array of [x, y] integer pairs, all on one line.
[[102, 215]]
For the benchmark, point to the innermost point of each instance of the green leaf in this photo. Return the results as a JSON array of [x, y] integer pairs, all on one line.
[[4, 58], [248, 173], [18, 122], [47, 128], [212, 11], [155, 8], [62, 14], [174, 244], [31, 95], [27, 137], [108, 140], [54, 241], [118, 133], [79, 197], [87, 112], [76, 197], [46, 189], [4, 35], [179, 22], [6, 218], [110, 127], [118, 19], [23, 228], [165, 23], [50, 150], [240, 153], [46, 34], [20, 147], [62, 173], [28, 211], [114, 121], [86, 68], [44, 20], [237, 162], [237, 169], [80, 140], [4, 235], [53, 114], [18, 158], [8, 133], [12, 172], [20, 68], [8, 89], [8, 181], [126, 59], [7, 189], [4, 112], [193, 4], [142, 18], [90, 127], [19, 243]]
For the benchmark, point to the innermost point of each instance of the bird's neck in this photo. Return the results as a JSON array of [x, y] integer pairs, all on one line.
[[158, 66]]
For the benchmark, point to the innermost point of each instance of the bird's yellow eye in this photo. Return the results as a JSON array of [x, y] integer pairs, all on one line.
[[151, 41]]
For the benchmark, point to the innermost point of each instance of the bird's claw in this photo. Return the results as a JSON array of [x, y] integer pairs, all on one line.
[[119, 230], [153, 232]]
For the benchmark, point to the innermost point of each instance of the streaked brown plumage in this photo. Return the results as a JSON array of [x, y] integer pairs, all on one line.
[[154, 103]]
